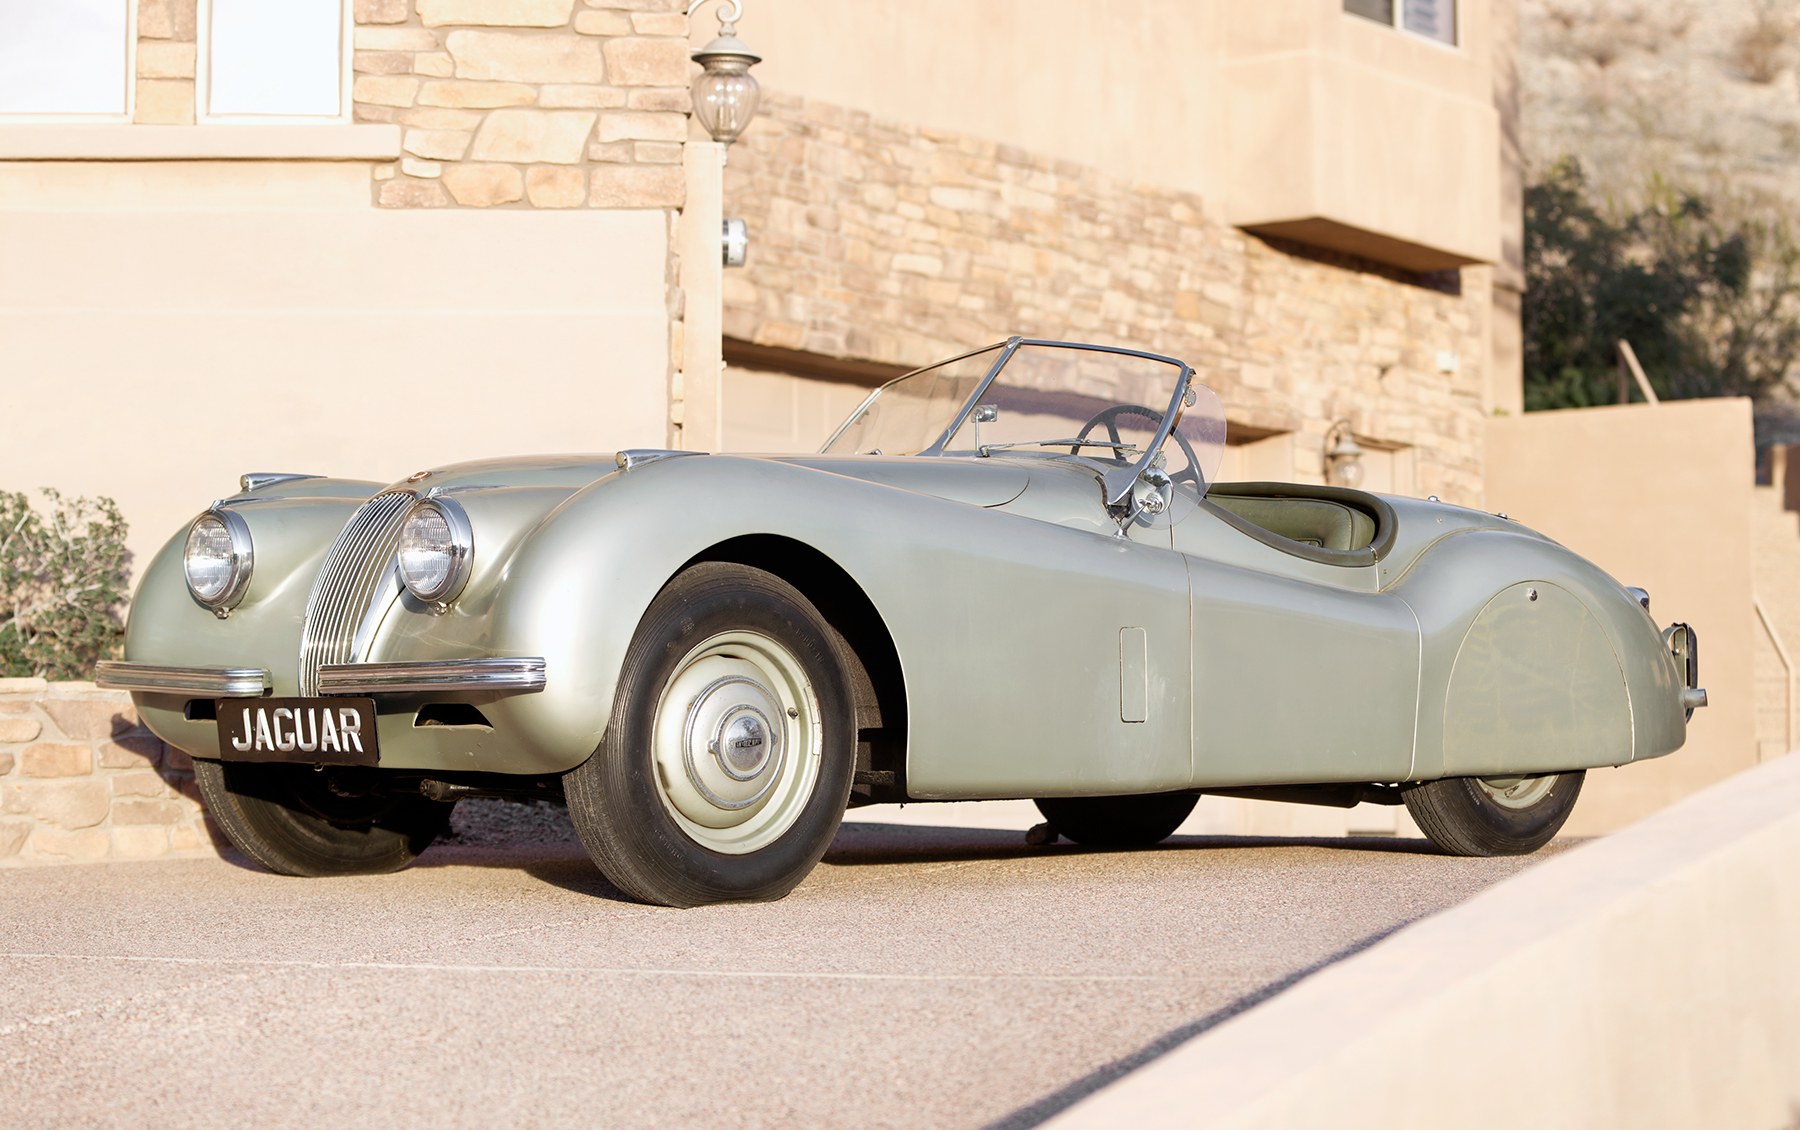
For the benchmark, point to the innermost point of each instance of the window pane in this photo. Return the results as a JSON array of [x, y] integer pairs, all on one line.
[[268, 58], [1434, 19], [1382, 10], [62, 57]]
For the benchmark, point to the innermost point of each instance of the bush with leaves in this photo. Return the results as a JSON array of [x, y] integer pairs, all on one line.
[[62, 580], [1706, 291]]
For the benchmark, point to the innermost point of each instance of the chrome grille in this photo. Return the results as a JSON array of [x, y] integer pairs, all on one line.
[[348, 581]]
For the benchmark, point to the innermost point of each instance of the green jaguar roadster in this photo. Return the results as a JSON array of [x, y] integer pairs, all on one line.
[[1009, 575]]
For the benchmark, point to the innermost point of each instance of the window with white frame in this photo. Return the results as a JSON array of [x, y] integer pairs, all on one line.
[[265, 61], [66, 58], [1433, 19]]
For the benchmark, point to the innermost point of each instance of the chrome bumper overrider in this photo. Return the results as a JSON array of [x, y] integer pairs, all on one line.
[[515, 675], [522, 675], [160, 678]]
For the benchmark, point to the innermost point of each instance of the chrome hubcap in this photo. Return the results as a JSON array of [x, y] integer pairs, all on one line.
[[736, 742], [1517, 792]]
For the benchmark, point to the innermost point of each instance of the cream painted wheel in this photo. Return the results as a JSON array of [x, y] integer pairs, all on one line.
[[1517, 793], [729, 756], [737, 742]]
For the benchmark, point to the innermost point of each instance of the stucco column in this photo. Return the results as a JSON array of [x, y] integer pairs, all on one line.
[[696, 409], [1506, 353]]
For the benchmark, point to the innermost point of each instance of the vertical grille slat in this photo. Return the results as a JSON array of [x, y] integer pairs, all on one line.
[[348, 581]]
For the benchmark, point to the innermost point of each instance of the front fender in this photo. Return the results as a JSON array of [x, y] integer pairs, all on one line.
[[983, 608]]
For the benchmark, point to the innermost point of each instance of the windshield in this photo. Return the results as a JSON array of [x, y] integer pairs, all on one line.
[[909, 415], [1102, 404]]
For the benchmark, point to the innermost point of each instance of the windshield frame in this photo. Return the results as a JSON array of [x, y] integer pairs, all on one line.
[[1118, 481]]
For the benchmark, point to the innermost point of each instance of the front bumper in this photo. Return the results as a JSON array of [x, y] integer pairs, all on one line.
[[505, 675], [162, 678]]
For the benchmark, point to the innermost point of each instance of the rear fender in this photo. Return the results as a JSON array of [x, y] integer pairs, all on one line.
[[1576, 678]]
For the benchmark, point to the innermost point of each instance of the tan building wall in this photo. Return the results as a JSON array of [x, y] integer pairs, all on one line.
[[1660, 497], [167, 326], [1286, 114], [483, 260], [1776, 515]]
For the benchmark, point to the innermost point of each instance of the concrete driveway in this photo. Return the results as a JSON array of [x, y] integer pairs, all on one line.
[[924, 975]]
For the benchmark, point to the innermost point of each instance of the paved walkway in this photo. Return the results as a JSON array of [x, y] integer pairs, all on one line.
[[922, 976]]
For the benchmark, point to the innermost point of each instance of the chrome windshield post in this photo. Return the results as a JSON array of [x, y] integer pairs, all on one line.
[[1121, 481]]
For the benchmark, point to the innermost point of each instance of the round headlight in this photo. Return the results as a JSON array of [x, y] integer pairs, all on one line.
[[217, 560], [435, 546]]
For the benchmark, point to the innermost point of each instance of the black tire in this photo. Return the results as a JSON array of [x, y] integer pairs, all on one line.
[[295, 820], [1466, 816], [1118, 821], [644, 827]]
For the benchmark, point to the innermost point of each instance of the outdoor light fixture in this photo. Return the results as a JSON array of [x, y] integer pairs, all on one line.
[[1343, 456], [724, 93]]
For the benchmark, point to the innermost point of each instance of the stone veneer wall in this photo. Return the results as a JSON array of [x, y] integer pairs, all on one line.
[[527, 103], [165, 63], [80, 779], [878, 240], [533, 103]]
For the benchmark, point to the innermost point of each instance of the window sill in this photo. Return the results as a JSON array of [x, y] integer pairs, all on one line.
[[108, 142]]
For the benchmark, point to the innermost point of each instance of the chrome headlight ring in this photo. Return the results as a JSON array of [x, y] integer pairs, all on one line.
[[217, 560], [436, 547]]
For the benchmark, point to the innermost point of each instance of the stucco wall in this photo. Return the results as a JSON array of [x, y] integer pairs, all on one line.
[[1282, 111], [165, 327], [1660, 497]]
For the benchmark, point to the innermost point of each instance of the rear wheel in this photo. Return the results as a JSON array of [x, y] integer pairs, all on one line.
[[296, 820], [1118, 821], [1493, 815], [727, 763]]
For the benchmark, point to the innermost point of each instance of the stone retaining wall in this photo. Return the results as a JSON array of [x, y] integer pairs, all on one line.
[[81, 779]]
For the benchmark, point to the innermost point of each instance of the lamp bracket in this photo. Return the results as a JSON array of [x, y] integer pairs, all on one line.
[[731, 13]]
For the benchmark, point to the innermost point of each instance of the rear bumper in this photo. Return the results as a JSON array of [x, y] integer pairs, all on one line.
[[505, 675]]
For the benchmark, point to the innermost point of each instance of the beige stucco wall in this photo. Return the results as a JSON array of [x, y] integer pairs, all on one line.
[[1285, 114], [1660, 497], [167, 326]]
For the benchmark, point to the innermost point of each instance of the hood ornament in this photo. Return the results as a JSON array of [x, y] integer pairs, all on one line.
[[418, 476]]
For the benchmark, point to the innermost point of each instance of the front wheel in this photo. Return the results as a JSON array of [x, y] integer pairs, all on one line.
[[727, 763], [1493, 815], [296, 820]]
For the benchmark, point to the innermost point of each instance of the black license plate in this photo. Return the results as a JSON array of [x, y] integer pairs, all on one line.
[[315, 731]]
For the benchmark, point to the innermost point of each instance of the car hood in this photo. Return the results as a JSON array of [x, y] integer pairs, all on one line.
[[978, 482]]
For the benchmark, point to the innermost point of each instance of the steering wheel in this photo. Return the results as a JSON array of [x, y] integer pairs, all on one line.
[[1110, 418]]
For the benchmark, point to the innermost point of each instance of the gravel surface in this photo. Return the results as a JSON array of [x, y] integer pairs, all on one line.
[[922, 975]]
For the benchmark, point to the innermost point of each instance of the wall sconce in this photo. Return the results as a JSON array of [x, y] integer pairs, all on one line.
[[725, 95], [1343, 456]]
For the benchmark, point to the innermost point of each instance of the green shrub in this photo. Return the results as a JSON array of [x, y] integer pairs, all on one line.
[[1706, 289], [62, 580]]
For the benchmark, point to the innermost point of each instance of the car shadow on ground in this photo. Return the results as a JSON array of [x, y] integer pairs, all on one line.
[[872, 844], [560, 861]]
